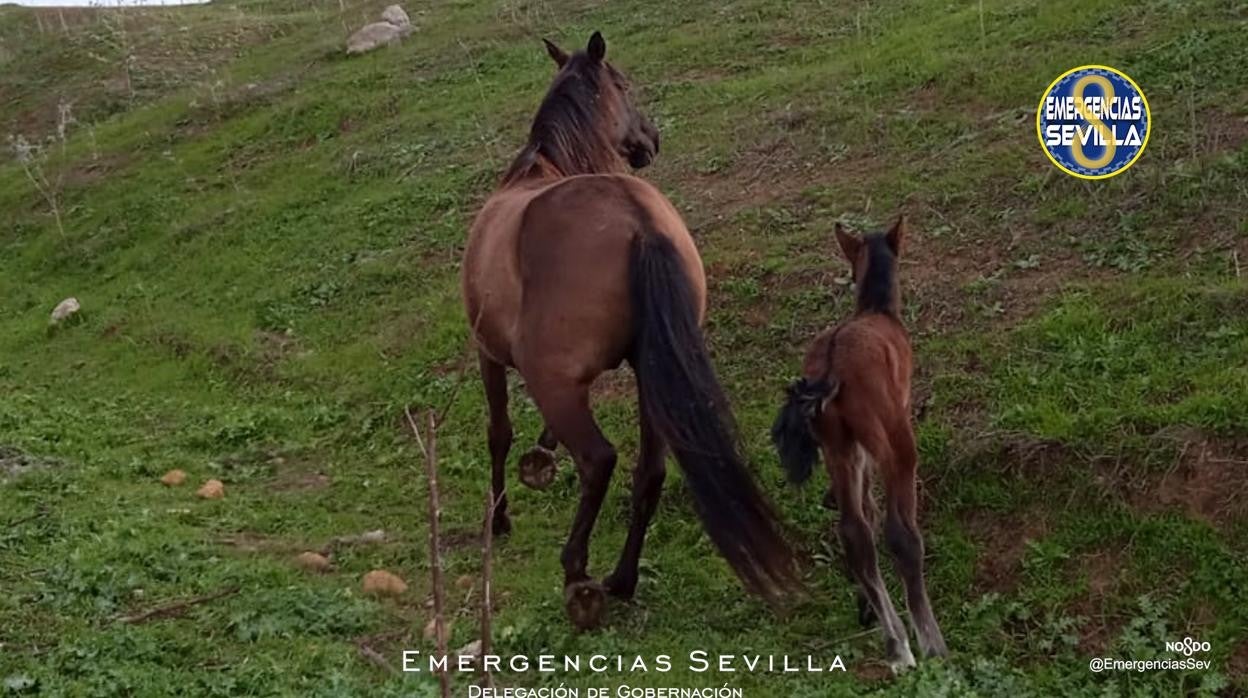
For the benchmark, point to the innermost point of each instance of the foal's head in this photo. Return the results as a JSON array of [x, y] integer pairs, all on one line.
[[874, 261], [588, 121]]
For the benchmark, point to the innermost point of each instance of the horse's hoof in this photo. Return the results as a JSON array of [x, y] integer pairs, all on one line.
[[537, 468], [619, 587], [586, 604]]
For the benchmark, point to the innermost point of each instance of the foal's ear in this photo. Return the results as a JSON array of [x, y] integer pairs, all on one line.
[[597, 48], [557, 54], [850, 243], [896, 235]]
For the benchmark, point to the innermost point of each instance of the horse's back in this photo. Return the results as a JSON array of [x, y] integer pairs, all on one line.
[[561, 255]]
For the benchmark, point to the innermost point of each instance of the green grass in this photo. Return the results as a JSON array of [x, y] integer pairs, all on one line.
[[265, 238]]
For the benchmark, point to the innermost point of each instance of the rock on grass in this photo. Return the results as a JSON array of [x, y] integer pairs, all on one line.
[[213, 489], [313, 562], [64, 310], [383, 583], [173, 478]]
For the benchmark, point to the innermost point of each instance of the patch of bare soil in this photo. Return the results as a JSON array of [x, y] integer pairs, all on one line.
[[872, 672], [1010, 455], [271, 349], [1103, 572], [1002, 541], [14, 462], [252, 542], [774, 169], [1237, 663], [95, 168], [297, 476], [457, 539], [1209, 482]]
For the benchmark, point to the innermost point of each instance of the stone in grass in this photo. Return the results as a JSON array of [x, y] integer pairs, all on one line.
[[383, 583], [313, 562], [375, 35], [173, 478], [472, 649], [465, 582], [65, 310], [213, 489], [431, 629], [394, 25], [395, 15]]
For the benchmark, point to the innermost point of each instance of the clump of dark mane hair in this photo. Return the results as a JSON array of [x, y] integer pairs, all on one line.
[[878, 290], [565, 131]]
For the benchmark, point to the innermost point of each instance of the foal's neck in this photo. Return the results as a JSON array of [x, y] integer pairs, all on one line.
[[878, 290]]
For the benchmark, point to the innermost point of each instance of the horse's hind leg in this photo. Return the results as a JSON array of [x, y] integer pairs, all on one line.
[[565, 406], [647, 486], [901, 532], [537, 465], [847, 465], [494, 377]]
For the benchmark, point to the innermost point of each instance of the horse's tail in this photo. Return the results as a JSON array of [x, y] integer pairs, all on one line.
[[682, 398], [793, 431]]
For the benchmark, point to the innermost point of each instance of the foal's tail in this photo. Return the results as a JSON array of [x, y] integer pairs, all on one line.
[[793, 431], [683, 399]]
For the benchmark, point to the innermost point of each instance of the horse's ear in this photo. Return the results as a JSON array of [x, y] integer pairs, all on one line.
[[850, 243], [557, 54], [597, 48], [896, 235]]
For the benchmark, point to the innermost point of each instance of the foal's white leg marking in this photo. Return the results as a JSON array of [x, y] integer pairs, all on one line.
[[890, 623]]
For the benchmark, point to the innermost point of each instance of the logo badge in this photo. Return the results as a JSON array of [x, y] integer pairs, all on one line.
[[1093, 122]]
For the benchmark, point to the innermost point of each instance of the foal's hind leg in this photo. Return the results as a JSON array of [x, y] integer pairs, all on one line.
[[847, 465], [647, 486], [494, 377], [565, 406], [901, 532], [866, 614]]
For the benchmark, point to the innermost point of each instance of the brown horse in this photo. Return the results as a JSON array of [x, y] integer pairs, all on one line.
[[573, 267], [853, 401]]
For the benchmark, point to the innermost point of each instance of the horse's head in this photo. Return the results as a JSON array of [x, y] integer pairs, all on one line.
[[618, 121], [873, 258]]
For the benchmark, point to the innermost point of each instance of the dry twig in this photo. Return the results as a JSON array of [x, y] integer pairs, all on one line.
[[430, 448], [178, 608]]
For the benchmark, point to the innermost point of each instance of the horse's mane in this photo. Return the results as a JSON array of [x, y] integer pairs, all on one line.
[[878, 292], [565, 130]]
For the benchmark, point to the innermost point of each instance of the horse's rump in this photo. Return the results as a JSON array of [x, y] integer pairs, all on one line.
[[568, 297]]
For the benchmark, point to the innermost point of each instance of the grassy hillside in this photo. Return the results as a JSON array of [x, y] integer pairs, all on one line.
[[265, 238]]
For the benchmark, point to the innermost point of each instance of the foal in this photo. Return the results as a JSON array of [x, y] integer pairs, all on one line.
[[853, 402], [573, 267]]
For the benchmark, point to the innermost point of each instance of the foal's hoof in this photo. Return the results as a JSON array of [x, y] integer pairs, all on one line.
[[586, 604], [501, 524], [537, 468], [899, 657]]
